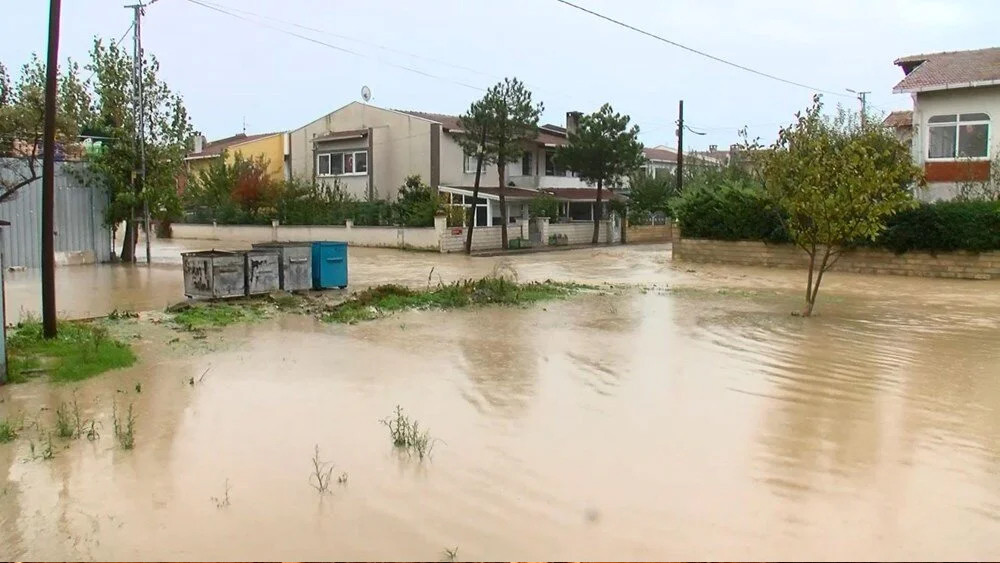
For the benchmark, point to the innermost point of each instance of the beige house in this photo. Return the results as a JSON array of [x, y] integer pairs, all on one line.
[[955, 96], [370, 151]]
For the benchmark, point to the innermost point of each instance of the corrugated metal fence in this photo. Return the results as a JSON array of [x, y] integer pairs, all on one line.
[[79, 220]]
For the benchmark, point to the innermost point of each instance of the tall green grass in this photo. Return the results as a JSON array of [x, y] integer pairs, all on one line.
[[80, 350]]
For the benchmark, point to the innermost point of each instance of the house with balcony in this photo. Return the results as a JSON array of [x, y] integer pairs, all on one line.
[[369, 151], [956, 95]]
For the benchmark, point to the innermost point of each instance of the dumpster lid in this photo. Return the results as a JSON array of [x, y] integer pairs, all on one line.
[[330, 243], [209, 253]]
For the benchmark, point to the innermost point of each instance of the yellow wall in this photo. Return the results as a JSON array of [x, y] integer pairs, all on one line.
[[195, 167], [271, 147]]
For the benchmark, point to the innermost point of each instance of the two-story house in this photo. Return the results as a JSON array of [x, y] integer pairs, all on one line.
[[955, 95], [369, 151]]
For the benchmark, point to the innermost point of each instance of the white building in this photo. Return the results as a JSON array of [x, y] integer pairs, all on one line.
[[955, 95]]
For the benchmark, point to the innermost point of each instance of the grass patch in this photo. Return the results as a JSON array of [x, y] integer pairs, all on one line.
[[8, 430], [80, 350], [384, 300], [217, 315]]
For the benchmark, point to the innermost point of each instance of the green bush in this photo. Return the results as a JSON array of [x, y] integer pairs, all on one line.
[[944, 226], [728, 212], [544, 205]]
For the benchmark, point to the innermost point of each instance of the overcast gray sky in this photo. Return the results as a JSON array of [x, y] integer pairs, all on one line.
[[229, 69]]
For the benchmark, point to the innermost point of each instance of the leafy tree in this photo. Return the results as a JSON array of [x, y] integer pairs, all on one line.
[[604, 150], [475, 122], [511, 120], [22, 117], [544, 205], [167, 131], [648, 195], [416, 203], [837, 182]]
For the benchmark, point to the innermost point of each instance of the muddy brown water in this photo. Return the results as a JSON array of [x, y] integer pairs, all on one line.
[[700, 421]]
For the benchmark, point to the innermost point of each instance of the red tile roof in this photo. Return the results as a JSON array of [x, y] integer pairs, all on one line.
[[660, 154], [898, 119], [951, 69], [547, 135], [582, 194], [513, 193], [215, 148]]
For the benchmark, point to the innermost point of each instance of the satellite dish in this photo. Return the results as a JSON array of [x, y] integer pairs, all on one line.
[[366, 93]]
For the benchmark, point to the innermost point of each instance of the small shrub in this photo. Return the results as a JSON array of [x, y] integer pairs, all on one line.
[[124, 427], [406, 434], [65, 427], [8, 430], [322, 473]]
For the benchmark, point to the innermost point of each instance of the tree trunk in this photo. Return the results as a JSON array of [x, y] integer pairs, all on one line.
[[503, 206], [128, 244], [624, 225], [809, 283], [597, 214], [475, 197]]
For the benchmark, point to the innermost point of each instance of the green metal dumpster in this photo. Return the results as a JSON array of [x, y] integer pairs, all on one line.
[[295, 273], [329, 261]]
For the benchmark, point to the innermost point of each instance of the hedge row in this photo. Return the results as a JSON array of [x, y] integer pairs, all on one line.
[[738, 213]]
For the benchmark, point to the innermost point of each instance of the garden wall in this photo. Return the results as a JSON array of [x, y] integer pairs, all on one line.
[[579, 233], [638, 234], [394, 237], [965, 265], [483, 238]]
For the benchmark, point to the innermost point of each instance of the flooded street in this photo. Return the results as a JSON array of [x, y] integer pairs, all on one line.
[[693, 419]]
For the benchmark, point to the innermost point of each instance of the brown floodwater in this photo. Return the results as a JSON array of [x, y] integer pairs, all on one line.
[[696, 419]]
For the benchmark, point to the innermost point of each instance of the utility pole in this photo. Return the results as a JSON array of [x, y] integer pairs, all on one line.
[[863, 98], [139, 101], [48, 176], [680, 146]]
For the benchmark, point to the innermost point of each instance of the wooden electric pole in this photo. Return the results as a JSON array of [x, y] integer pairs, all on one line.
[[680, 146], [48, 177]]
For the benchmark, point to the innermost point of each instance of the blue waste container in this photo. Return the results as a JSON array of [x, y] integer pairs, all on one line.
[[329, 263]]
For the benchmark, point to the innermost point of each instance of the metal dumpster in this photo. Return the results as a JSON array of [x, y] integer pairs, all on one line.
[[213, 274], [329, 261], [295, 259], [262, 270]]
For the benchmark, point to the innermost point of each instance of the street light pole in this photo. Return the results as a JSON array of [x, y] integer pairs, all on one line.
[[139, 101], [863, 98]]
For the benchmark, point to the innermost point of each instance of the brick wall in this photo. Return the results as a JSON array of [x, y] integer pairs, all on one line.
[[648, 233], [965, 265], [483, 238], [579, 232]]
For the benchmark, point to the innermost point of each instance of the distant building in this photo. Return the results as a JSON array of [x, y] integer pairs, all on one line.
[[369, 151], [955, 95], [660, 160], [901, 123], [270, 146]]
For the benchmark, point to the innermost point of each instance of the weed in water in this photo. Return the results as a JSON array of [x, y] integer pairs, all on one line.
[[80, 350], [90, 430], [64, 422], [224, 501], [322, 473], [138, 387], [123, 314], [451, 554], [191, 381], [342, 478], [46, 451], [406, 434], [384, 300], [217, 315], [8, 430], [124, 427]]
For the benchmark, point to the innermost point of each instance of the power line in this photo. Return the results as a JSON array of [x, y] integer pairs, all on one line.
[[697, 52], [334, 47]]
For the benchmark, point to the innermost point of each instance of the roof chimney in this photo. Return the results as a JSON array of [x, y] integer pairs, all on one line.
[[572, 121], [199, 143], [713, 148]]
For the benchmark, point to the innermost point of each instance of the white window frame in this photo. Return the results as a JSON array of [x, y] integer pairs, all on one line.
[[465, 206], [469, 163], [956, 124], [330, 155]]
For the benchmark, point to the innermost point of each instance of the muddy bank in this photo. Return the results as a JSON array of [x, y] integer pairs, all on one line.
[[651, 424]]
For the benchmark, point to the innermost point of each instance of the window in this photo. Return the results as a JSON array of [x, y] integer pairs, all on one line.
[[470, 164], [551, 168], [526, 165], [958, 136], [465, 201], [338, 163]]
